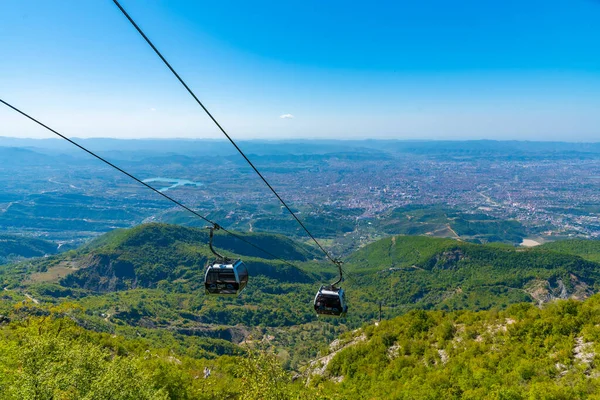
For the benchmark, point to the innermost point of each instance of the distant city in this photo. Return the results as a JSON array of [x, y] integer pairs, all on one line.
[[345, 190]]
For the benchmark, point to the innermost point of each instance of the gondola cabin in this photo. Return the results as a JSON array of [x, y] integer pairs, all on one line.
[[330, 301], [226, 277]]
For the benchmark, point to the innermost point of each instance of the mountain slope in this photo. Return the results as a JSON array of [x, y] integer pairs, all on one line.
[[53, 358], [588, 249], [151, 277], [521, 353], [424, 272], [148, 254], [164, 235], [14, 247], [447, 222]]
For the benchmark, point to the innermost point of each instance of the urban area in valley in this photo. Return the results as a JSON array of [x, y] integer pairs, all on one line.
[[348, 192]]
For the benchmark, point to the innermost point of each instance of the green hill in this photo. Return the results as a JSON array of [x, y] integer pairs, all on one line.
[[148, 281], [588, 249], [402, 272], [424, 272], [164, 235], [53, 358], [13, 247], [521, 353], [144, 256], [446, 222], [151, 277]]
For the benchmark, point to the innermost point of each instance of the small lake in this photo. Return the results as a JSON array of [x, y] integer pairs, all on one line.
[[171, 183]]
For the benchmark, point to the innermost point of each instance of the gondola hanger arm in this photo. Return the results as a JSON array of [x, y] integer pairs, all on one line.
[[339, 265], [213, 228]]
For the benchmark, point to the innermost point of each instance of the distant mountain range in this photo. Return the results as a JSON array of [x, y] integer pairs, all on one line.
[[305, 146]]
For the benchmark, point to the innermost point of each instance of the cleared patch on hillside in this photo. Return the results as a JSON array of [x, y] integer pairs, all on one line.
[[54, 274]]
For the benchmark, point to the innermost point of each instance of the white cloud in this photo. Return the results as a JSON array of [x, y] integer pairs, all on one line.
[[286, 116], [153, 109]]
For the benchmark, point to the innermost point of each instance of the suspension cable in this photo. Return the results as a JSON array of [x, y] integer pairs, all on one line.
[[158, 53], [145, 184]]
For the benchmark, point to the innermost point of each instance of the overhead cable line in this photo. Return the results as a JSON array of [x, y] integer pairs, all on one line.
[[333, 260], [144, 183]]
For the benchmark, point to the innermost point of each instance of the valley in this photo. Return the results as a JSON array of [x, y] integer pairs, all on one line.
[[325, 200], [349, 192], [99, 265], [148, 281]]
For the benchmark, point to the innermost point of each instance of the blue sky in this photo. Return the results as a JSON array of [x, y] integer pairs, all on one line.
[[428, 69]]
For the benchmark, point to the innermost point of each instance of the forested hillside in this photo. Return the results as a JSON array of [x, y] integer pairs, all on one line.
[[588, 249], [158, 253], [144, 273], [447, 222], [424, 272], [151, 277], [142, 288], [53, 358], [149, 281], [521, 353], [14, 247]]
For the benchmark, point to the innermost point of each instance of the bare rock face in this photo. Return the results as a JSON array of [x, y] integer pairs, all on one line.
[[101, 273], [584, 351], [234, 334], [319, 366], [544, 291], [447, 260]]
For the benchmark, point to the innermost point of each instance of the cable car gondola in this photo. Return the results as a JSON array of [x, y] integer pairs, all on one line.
[[331, 300], [224, 276]]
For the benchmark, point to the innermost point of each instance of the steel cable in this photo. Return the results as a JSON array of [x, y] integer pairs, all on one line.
[[333, 260], [144, 183]]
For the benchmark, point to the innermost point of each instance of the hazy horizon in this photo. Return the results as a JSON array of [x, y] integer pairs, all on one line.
[[292, 139]]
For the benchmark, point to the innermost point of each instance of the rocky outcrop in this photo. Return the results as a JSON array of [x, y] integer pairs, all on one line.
[[544, 291], [319, 366], [102, 273], [232, 334], [448, 259]]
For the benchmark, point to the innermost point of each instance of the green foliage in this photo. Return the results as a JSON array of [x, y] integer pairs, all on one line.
[[323, 225], [262, 377], [148, 254], [521, 353], [490, 230], [167, 236], [146, 284], [14, 247], [424, 272], [588, 249], [53, 358], [397, 251]]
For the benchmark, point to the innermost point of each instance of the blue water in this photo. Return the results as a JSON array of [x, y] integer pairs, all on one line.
[[172, 182]]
